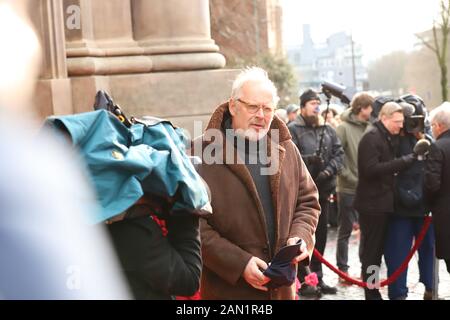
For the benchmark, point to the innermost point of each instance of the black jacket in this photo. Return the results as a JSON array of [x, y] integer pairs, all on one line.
[[157, 266], [377, 168], [437, 191], [307, 140], [409, 200]]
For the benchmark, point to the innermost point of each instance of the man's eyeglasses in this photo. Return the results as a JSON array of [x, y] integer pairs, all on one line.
[[253, 108]]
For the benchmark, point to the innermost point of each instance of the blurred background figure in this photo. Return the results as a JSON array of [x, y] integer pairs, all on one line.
[[354, 123], [332, 117], [323, 155], [292, 112], [47, 249], [282, 114], [437, 180]]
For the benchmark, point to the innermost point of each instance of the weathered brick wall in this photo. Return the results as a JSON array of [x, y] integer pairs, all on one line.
[[245, 28]]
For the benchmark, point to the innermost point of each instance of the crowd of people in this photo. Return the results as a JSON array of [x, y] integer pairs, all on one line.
[[381, 185], [270, 180], [234, 215]]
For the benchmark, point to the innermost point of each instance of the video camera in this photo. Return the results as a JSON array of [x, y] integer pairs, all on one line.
[[342, 93], [414, 124], [414, 113]]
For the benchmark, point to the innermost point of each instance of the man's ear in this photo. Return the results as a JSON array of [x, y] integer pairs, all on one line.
[[439, 128], [232, 106]]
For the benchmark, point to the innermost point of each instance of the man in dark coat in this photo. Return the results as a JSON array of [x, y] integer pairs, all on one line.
[[258, 206], [374, 199], [437, 180], [159, 250], [409, 209], [324, 157]]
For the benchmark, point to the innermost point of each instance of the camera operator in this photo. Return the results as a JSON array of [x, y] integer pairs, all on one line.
[[409, 206], [323, 155], [374, 199]]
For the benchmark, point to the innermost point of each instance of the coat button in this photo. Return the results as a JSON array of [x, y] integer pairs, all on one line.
[[265, 250]]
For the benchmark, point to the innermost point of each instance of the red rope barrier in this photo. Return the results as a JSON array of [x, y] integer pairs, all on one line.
[[397, 272]]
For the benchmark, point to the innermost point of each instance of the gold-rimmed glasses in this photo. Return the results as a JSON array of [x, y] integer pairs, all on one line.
[[254, 108]]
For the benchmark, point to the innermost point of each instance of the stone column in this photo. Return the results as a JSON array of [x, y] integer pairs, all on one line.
[[176, 34], [140, 36], [53, 90], [103, 44], [155, 57]]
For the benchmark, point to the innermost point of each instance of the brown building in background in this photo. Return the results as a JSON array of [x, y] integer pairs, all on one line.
[[245, 28]]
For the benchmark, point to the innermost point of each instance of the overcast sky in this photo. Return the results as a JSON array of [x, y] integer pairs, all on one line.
[[381, 26]]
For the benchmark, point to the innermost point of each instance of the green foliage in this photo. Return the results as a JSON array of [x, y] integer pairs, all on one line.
[[280, 71]]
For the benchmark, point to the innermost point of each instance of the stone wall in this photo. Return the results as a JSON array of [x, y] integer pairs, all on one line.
[[245, 28], [154, 57]]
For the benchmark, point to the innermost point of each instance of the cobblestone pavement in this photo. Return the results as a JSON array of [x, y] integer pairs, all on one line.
[[345, 292]]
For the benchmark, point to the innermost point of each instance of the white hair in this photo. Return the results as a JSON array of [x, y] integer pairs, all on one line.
[[441, 115], [253, 74]]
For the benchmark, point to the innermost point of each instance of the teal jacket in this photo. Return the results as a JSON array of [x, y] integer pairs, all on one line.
[[123, 163]]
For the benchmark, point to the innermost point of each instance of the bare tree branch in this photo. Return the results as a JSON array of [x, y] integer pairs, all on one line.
[[440, 47], [426, 44], [435, 40]]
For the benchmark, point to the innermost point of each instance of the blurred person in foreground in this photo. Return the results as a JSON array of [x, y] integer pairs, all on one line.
[[437, 180], [47, 248]]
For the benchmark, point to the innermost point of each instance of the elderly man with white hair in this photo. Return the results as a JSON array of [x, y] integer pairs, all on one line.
[[263, 197], [437, 180]]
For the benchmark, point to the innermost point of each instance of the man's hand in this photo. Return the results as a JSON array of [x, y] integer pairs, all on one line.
[[313, 160], [253, 275], [303, 250], [409, 158], [324, 174]]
